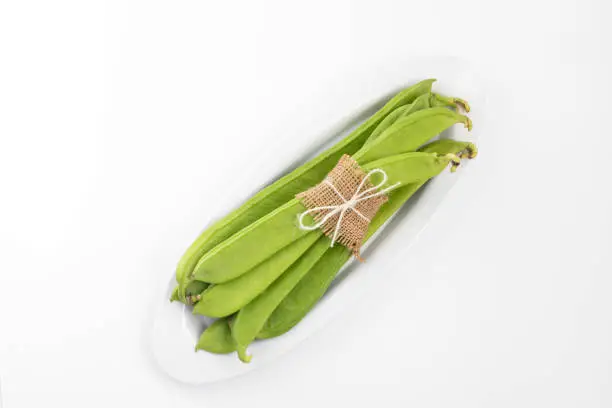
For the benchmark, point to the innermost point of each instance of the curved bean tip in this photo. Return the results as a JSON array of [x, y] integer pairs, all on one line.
[[468, 123], [454, 161], [452, 158], [470, 152], [243, 356], [464, 104]]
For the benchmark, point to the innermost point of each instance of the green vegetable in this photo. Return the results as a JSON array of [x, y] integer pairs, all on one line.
[[465, 150], [285, 188], [174, 296], [260, 274], [452, 101], [193, 291], [217, 338]]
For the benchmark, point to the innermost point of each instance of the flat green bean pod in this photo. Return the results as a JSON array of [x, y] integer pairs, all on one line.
[[464, 150], [217, 338]]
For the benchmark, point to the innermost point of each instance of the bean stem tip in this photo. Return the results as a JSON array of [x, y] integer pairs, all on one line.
[[242, 354], [454, 160], [468, 123], [463, 103]]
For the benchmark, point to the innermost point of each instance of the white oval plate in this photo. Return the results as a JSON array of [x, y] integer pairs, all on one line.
[[176, 330]]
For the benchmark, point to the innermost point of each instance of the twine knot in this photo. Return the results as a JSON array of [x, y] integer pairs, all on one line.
[[346, 205]]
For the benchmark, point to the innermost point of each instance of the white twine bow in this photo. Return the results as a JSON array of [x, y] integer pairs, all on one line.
[[347, 204]]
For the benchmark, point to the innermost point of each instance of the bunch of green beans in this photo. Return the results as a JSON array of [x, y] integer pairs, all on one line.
[[259, 273]]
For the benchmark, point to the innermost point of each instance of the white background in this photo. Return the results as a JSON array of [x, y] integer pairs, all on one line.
[[119, 121]]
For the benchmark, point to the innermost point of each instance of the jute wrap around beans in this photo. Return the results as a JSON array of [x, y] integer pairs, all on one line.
[[339, 206]]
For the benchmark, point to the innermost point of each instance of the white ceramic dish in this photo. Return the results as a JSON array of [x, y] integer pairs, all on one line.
[[175, 329]]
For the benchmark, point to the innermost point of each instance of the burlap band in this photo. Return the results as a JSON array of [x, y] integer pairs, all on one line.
[[346, 177]]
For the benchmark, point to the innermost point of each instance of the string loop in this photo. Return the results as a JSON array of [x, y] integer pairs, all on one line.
[[349, 204]]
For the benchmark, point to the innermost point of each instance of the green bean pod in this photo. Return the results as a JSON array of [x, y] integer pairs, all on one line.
[[453, 101], [217, 338], [464, 150], [191, 292], [285, 188]]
